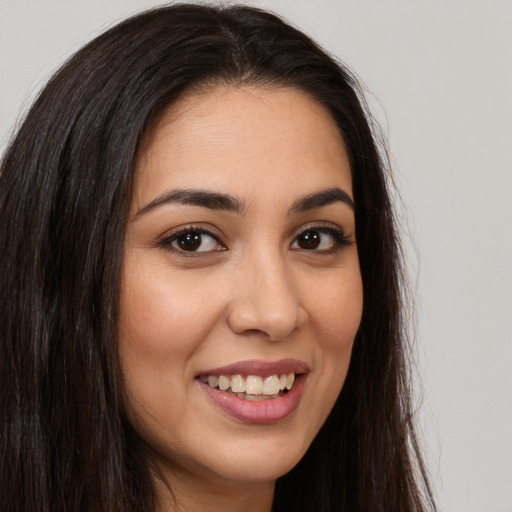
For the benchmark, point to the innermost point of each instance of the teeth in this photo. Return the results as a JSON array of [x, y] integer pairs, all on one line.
[[213, 381], [224, 383], [254, 398], [237, 384], [253, 386], [271, 385]]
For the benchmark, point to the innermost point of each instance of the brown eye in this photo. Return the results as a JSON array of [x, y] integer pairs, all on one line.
[[193, 241], [189, 241], [309, 240], [320, 240]]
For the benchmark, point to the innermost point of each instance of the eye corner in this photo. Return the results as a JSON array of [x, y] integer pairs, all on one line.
[[322, 238], [192, 241]]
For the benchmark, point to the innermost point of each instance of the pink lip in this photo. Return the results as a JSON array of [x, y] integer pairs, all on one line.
[[259, 367], [263, 411]]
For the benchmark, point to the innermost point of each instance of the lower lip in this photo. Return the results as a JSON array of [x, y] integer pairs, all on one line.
[[271, 410]]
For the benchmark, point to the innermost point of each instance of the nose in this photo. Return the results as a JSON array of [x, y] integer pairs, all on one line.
[[266, 300]]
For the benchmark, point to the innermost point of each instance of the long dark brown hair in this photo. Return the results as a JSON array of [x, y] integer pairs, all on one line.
[[65, 186]]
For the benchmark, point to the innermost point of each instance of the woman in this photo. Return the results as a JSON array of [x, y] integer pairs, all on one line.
[[204, 285]]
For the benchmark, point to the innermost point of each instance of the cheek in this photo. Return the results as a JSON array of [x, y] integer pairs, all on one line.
[[162, 323], [338, 308], [161, 314], [338, 315]]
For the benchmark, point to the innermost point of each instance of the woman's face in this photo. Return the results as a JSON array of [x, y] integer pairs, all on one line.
[[240, 279]]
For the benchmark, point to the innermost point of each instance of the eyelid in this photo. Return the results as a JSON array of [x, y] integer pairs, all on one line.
[[341, 237], [319, 225], [165, 241]]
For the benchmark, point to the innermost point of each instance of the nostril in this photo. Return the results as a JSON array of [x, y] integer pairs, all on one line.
[[275, 315]]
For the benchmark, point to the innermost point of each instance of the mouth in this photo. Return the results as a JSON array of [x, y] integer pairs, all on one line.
[[252, 387], [256, 391]]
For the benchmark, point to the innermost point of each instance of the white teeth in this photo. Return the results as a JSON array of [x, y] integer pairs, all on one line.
[[290, 379], [224, 383], [252, 387], [213, 381], [271, 385], [237, 384], [254, 398]]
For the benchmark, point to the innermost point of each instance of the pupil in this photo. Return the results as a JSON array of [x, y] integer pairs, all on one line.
[[190, 241], [310, 240]]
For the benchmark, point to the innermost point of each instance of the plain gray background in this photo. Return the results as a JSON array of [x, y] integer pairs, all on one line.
[[439, 75]]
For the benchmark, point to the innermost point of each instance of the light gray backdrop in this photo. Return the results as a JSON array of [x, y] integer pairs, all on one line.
[[440, 76]]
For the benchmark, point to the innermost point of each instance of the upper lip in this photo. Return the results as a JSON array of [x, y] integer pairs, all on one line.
[[259, 367]]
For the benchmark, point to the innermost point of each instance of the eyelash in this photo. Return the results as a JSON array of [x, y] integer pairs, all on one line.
[[167, 242], [340, 239]]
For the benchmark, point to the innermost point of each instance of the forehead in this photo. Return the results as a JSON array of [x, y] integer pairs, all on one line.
[[240, 138]]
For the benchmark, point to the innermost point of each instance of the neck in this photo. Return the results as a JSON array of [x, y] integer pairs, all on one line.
[[192, 493]]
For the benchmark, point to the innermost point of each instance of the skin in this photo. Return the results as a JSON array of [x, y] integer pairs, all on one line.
[[252, 291]]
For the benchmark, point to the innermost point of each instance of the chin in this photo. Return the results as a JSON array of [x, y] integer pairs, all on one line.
[[255, 458], [261, 460]]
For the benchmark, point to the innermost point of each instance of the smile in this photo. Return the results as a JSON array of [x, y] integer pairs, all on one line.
[[257, 392], [252, 387]]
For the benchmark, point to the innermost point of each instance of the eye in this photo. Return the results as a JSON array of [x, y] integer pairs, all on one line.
[[192, 241], [314, 240], [320, 239]]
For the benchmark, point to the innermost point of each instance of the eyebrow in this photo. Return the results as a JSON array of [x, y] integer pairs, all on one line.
[[204, 198], [226, 202], [322, 198]]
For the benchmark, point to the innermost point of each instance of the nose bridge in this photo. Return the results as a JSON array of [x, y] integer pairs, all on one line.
[[266, 299]]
